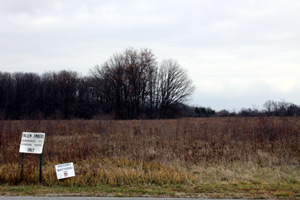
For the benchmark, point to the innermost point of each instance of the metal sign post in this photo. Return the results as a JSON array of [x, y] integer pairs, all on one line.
[[40, 172], [32, 143], [22, 166]]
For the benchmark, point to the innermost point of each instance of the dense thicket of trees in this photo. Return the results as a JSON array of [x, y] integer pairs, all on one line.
[[130, 85], [30, 96]]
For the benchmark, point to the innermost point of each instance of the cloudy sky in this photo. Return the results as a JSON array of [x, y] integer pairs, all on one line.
[[239, 53]]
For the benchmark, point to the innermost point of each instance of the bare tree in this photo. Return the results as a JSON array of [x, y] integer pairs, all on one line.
[[269, 107], [174, 86], [126, 82]]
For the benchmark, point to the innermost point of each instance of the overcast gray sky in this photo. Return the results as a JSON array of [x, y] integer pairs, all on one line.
[[239, 53]]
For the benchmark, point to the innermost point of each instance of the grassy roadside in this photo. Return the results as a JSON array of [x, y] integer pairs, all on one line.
[[123, 177], [222, 190]]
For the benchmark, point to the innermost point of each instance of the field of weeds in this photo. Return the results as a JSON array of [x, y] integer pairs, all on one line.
[[205, 157]]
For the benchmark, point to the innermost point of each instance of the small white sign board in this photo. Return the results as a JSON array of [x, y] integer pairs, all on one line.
[[65, 170], [32, 142]]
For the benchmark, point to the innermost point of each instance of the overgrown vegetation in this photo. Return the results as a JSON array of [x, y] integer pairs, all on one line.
[[225, 157]]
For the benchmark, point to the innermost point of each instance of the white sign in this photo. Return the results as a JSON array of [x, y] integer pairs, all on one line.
[[32, 142], [65, 170]]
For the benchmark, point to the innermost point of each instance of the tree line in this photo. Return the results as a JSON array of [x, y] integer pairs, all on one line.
[[130, 85], [270, 108]]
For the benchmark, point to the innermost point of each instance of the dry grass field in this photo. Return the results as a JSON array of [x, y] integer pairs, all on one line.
[[205, 157]]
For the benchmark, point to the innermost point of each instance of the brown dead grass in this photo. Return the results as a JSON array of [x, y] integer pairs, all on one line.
[[189, 141], [220, 155]]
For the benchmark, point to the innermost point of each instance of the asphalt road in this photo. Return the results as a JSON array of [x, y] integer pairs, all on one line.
[[88, 198]]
